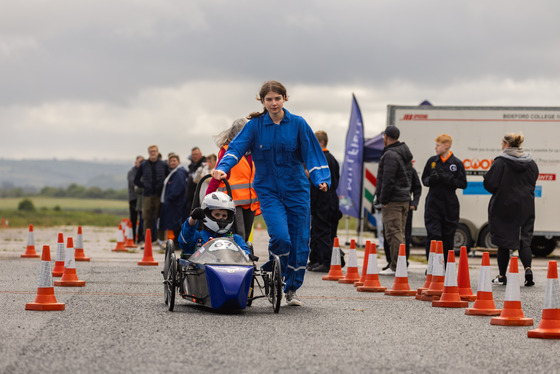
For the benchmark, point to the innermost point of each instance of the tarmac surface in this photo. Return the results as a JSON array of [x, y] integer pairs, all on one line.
[[118, 322]]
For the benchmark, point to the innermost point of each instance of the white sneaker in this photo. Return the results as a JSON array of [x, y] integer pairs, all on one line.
[[388, 271], [292, 299]]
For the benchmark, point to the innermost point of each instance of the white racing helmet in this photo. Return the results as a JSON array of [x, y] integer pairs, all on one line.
[[218, 200]]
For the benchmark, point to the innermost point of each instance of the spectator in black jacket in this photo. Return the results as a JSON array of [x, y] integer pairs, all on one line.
[[133, 196], [325, 214], [394, 180], [150, 177], [443, 174], [196, 161], [511, 212]]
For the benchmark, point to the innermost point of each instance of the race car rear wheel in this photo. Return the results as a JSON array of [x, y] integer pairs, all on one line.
[[166, 264], [276, 285]]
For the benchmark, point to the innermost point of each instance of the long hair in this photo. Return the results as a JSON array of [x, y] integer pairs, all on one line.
[[226, 136], [270, 86]]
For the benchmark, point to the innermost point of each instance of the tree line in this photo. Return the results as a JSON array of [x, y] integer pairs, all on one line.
[[73, 190]]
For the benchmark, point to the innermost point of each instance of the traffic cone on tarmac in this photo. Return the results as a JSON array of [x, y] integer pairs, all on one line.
[[438, 276], [426, 285], [401, 287], [352, 274], [148, 259], [463, 277], [30, 250], [371, 284], [335, 272], [120, 241], [58, 268], [70, 278], [484, 303], [79, 254], [45, 299], [129, 242], [549, 328], [364, 266], [512, 314], [450, 297]]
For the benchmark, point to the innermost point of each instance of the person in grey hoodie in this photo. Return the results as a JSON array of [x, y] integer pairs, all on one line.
[[511, 212], [394, 179]]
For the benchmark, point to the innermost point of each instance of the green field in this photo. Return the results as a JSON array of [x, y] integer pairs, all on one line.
[[64, 211]]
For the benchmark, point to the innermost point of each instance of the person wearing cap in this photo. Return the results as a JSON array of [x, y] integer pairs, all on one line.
[[394, 180], [443, 174]]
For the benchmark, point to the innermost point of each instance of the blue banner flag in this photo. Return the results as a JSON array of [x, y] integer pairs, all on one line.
[[350, 184]]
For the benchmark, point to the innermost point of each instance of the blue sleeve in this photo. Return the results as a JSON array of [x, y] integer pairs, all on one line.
[[188, 237], [240, 242], [242, 142], [313, 156]]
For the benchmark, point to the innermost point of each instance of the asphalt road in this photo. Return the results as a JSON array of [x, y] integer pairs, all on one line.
[[119, 323]]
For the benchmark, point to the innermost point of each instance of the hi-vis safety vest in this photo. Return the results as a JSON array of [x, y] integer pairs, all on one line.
[[241, 183]]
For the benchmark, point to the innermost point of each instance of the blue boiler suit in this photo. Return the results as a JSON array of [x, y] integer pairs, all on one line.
[[279, 152]]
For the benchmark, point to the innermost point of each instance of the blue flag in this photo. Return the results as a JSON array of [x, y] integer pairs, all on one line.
[[350, 184]]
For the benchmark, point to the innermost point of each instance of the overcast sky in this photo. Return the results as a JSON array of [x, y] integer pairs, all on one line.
[[104, 79]]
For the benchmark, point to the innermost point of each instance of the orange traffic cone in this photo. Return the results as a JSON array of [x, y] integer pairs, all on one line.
[[463, 277], [45, 299], [549, 328], [352, 274], [4, 223], [364, 265], [438, 276], [484, 304], [259, 226], [335, 271], [120, 241], [428, 271], [70, 278], [170, 235], [79, 250], [148, 259], [512, 314], [450, 297], [30, 250], [129, 242], [371, 284], [58, 268], [401, 287]]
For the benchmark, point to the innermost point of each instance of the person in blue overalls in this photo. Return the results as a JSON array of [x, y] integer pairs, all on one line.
[[280, 143]]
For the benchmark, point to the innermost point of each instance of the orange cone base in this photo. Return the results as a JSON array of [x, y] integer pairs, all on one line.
[[80, 256], [512, 315], [148, 263], [31, 255], [425, 297], [358, 284], [77, 283], [58, 269], [120, 249], [450, 303], [466, 294], [371, 288], [484, 305], [400, 293], [351, 276], [549, 328], [45, 301], [335, 273], [432, 292], [332, 277], [482, 312], [130, 245]]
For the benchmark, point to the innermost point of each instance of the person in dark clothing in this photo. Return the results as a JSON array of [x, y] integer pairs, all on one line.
[[511, 212], [394, 180], [150, 176], [173, 197], [196, 161], [133, 196], [416, 191], [325, 214], [443, 174]]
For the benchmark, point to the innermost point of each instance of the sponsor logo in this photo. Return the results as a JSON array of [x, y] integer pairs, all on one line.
[[476, 164], [415, 117], [453, 167], [547, 177]]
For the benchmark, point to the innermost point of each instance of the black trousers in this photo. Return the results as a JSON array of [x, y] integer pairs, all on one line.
[[323, 231]]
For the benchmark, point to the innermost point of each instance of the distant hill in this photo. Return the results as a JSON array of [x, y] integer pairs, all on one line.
[[61, 173]]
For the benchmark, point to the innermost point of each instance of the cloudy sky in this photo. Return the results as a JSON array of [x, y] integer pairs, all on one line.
[[96, 79]]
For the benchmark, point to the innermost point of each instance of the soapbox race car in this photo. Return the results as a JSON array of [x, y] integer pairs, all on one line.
[[219, 274]]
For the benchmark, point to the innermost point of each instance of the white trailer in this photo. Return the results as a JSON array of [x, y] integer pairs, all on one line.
[[477, 137]]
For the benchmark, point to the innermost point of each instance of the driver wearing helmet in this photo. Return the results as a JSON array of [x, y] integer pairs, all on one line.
[[216, 215]]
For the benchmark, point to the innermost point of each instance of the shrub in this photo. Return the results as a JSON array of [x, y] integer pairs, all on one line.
[[26, 205]]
